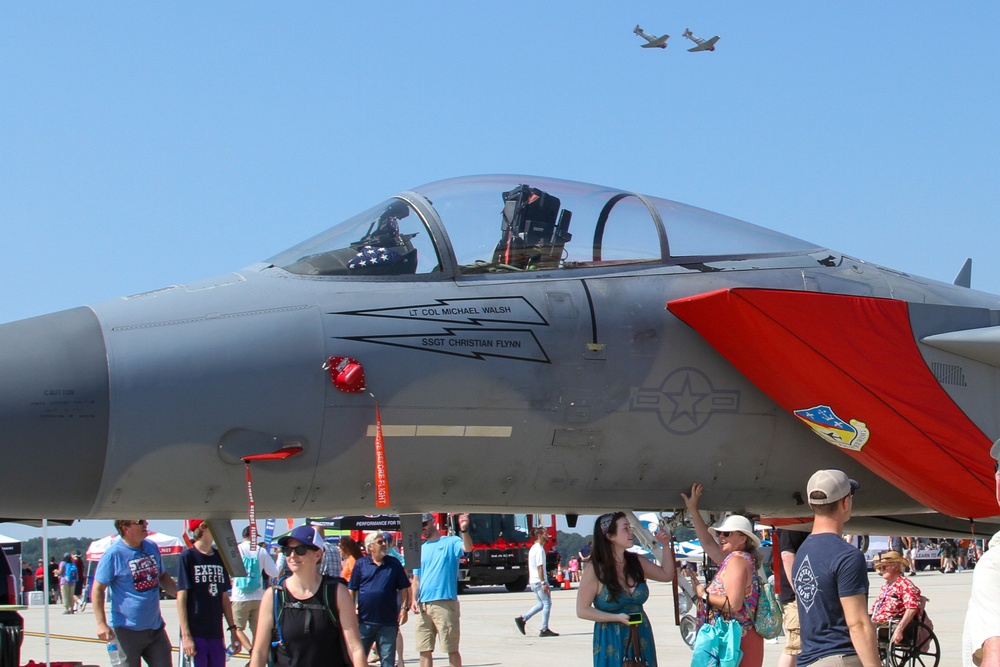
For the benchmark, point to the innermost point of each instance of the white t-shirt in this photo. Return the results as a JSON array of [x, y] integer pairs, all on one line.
[[536, 557], [264, 564], [982, 620]]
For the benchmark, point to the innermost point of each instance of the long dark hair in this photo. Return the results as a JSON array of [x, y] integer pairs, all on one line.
[[603, 557], [350, 545]]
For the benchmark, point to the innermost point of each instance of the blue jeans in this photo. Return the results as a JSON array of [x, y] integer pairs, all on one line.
[[384, 637], [544, 605]]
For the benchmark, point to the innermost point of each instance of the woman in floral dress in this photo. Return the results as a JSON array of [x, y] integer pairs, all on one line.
[[734, 591], [614, 586]]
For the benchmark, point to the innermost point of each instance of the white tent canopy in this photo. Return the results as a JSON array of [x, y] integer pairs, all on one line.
[[168, 544]]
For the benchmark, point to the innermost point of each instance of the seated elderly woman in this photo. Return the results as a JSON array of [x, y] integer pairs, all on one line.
[[899, 599]]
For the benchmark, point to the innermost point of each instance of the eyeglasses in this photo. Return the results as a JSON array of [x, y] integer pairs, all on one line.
[[299, 550], [382, 542], [138, 522]]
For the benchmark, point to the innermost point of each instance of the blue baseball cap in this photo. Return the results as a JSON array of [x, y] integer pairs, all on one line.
[[307, 535]]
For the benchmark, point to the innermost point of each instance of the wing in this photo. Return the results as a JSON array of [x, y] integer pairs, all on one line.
[[704, 44]]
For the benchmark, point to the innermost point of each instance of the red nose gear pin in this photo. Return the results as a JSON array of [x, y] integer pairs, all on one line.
[[348, 375]]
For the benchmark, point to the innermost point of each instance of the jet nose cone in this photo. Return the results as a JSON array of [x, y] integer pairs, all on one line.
[[54, 407]]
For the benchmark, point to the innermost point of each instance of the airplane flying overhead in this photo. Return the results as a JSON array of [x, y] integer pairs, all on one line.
[[651, 41], [521, 343], [700, 44]]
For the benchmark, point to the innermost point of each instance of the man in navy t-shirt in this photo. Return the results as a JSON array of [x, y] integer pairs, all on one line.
[[382, 590], [203, 600], [831, 582]]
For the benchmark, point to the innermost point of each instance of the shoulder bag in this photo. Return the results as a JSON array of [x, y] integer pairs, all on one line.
[[718, 643], [633, 654], [768, 618]]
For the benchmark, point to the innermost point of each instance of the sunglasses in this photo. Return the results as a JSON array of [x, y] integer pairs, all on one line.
[[724, 533], [380, 542], [299, 550], [138, 522]]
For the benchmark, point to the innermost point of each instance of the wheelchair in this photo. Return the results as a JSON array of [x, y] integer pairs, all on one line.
[[919, 647]]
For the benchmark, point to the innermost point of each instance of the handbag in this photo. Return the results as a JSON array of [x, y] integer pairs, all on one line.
[[768, 618], [718, 644], [632, 647]]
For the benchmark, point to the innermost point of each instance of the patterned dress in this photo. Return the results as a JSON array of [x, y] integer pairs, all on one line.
[[894, 599], [751, 643], [745, 614], [610, 638]]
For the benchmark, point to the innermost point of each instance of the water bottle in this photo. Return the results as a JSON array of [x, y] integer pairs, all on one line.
[[232, 650], [116, 653]]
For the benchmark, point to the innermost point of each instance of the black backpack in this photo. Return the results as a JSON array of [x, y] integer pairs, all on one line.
[[281, 602]]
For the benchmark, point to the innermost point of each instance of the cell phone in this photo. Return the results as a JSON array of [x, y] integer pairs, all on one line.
[[634, 619]]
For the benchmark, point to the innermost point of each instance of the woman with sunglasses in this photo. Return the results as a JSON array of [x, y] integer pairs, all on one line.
[[614, 588], [735, 589], [306, 634]]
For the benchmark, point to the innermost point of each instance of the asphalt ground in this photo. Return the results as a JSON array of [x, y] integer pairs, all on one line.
[[490, 638]]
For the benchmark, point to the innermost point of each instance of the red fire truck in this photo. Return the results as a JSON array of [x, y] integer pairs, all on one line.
[[500, 549]]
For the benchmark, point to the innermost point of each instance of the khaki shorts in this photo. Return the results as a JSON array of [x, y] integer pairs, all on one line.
[[440, 617], [245, 614], [790, 621]]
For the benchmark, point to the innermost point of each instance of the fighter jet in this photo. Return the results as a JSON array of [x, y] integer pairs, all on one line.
[[513, 343], [652, 42], [700, 44]]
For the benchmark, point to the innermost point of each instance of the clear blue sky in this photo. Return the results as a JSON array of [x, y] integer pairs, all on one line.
[[149, 144]]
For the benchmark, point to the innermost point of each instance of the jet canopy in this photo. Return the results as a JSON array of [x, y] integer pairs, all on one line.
[[482, 225]]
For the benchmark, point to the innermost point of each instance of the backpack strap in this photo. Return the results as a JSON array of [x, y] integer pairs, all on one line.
[[277, 639], [330, 588]]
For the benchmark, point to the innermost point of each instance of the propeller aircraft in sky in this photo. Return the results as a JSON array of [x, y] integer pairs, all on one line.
[[700, 44], [651, 41], [513, 343]]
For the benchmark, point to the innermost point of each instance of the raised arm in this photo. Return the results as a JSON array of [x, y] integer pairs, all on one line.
[[708, 543], [666, 570]]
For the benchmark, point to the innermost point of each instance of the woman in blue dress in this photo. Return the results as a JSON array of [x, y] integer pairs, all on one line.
[[614, 586]]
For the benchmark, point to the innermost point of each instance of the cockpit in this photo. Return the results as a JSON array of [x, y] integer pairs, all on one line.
[[488, 225]]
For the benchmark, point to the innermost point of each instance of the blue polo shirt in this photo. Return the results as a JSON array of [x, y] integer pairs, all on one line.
[[377, 586]]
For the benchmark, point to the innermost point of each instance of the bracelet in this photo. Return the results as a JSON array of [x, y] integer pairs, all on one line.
[[232, 627]]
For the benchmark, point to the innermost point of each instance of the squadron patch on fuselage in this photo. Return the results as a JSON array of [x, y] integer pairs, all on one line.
[[824, 421]]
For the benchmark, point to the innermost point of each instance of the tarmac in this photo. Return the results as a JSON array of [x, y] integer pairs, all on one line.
[[490, 638]]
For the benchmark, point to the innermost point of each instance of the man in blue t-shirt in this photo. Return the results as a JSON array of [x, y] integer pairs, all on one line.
[[382, 591], [203, 600], [132, 568], [435, 589], [831, 582]]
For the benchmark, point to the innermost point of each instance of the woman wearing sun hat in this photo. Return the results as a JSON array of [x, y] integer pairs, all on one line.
[[899, 598], [732, 545]]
